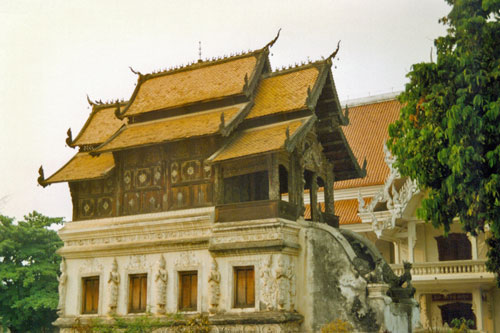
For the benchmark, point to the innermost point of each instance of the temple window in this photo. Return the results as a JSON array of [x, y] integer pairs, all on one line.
[[188, 290], [90, 295], [454, 247], [137, 298], [244, 287], [248, 187]]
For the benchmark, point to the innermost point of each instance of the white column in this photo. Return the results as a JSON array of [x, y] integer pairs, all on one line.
[[477, 304], [397, 259], [473, 244], [412, 240]]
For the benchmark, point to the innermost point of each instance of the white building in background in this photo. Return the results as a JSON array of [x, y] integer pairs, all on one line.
[[449, 274]]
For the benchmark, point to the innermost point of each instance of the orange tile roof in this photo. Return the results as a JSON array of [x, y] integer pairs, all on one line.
[[366, 133], [346, 210], [170, 129], [283, 92], [259, 140], [101, 124], [201, 83], [84, 166]]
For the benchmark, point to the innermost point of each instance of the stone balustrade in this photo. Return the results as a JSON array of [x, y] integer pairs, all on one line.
[[444, 267]]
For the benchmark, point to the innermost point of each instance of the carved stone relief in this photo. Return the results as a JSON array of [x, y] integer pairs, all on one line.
[[267, 284], [114, 282], [137, 262], [161, 280], [187, 259], [63, 278], [214, 283], [90, 266], [285, 280]]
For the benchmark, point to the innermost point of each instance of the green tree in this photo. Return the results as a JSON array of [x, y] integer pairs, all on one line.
[[448, 134], [28, 273]]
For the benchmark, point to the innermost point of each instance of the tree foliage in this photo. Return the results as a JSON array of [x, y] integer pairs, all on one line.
[[448, 134], [28, 273]]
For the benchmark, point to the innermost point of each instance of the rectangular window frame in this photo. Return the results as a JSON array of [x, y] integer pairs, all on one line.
[[248, 285], [86, 281], [182, 296], [142, 279]]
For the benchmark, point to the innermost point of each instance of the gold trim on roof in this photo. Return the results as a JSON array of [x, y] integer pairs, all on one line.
[[83, 166]]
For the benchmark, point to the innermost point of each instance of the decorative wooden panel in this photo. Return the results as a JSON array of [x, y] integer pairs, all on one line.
[[131, 203], [90, 294], [188, 290], [143, 181], [190, 170], [137, 297], [244, 287]]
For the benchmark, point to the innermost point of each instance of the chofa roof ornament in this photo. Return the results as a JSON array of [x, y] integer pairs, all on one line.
[[271, 43]]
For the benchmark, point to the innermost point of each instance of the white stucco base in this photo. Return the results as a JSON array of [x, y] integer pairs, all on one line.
[[305, 274]]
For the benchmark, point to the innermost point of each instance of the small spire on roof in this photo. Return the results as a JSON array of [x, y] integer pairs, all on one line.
[[332, 56], [271, 43], [135, 72], [90, 102], [199, 51]]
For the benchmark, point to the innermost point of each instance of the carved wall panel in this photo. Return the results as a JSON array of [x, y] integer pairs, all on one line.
[[150, 179], [144, 181], [94, 198], [191, 170]]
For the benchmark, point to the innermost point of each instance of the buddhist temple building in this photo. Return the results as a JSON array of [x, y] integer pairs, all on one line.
[[189, 198]]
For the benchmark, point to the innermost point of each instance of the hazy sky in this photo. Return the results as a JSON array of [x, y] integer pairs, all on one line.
[[56, 52]]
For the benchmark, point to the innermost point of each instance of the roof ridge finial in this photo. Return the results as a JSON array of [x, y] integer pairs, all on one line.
[[199, 51], [135, 72], [90, 102], [271, 43], [41, 177], [332, 56], [69, 139]]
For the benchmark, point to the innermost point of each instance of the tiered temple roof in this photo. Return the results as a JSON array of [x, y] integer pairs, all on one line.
[[216, 98], [196, 122]]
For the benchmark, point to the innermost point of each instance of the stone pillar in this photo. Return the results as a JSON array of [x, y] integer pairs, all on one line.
[[412, 240], [329, 193], [477, 306]]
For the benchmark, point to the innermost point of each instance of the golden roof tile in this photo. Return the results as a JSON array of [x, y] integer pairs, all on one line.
[[194, 84], [101, 124], [284, 92], [84, 166], [258, 140], [366, 133], [171, 129]]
